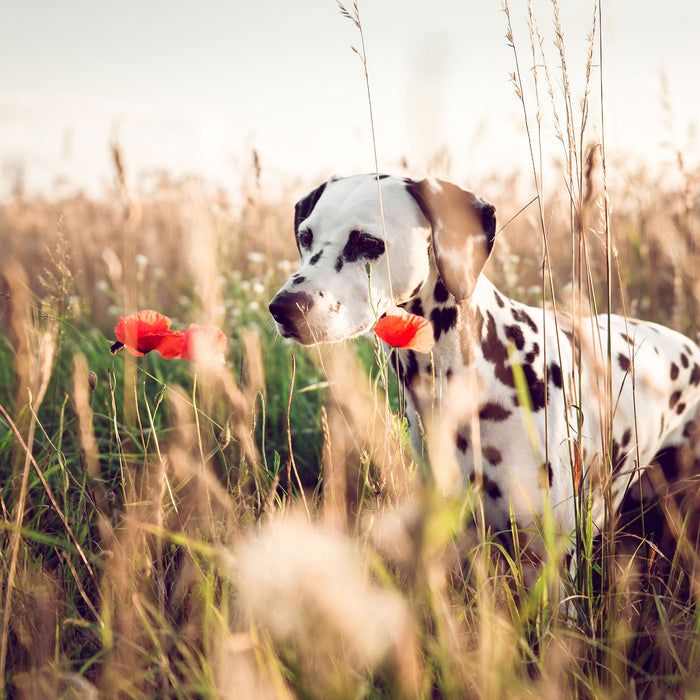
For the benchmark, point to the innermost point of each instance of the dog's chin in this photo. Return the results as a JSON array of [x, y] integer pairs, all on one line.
[[308, 336]]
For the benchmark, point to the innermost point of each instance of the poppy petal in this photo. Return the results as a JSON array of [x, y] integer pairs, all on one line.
[[133, 330], [169, 344], [204, 344], [401, 329], [148, 331]]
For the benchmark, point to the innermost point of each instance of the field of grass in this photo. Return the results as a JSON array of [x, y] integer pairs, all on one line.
[[263, 530]]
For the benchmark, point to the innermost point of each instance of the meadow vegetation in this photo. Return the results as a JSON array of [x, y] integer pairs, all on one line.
[[263, 530]]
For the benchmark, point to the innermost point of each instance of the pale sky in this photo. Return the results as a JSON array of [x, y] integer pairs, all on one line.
[[193, 87]]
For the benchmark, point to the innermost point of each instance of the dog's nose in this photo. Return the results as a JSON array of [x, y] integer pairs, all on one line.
[[290, 307]]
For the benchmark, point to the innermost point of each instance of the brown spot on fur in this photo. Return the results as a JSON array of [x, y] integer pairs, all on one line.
[[495, 352], [492, 455], [522, 316], [674, 371], [623, 361], [494, 411], [627, 339], [626, 437], [695, 375], [532, 355], [515, 334], [616, 454], [673, 400], [690, 429]]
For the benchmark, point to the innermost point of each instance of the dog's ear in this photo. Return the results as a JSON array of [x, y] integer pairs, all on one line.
[[305, 206], [463, 226]]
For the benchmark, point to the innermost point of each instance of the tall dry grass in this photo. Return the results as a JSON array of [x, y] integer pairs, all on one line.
[[264, 531]]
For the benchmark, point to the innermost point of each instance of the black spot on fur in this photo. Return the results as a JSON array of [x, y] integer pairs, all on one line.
[[339, 263], [555, 375], [298, 279], [443, 320], [411, 366], [316, 257], [532, 355], [491, 488], [521, 316], [536, 386], [440, 292], [462, 443], [616, 454], [416, 307], [515, 334], [362, 246], [305, 206], [626, 437], [695, 375], [627, 339], [674, 370], [680, 408], [623, 361], [673, 400], [493, 456], [684, 360], [667, 459], [494, 411], [550, 473], [499, 299]]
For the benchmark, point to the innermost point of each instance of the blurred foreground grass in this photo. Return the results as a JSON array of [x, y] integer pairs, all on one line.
[[159, 538]]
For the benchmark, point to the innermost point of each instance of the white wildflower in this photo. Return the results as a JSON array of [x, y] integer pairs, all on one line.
[[256, 257]]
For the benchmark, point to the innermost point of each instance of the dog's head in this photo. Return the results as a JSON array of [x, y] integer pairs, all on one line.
[[339, 232]]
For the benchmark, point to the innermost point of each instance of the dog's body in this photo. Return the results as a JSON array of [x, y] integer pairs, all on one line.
[[493, 356]]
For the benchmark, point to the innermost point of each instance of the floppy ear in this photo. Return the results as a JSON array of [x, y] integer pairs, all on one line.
[[464, 227], [305, 206]]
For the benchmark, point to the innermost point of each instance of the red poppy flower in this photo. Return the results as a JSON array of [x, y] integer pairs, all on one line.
[[146, 331], [204, 344], [404, 330]]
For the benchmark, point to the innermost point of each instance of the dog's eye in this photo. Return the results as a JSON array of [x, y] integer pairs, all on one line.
[[369, 244], [305, 238]]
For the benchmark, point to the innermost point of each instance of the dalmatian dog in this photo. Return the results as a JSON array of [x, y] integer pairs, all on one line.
[[516, 396]]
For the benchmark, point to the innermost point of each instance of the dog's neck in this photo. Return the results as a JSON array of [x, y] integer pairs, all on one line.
[[467, 344]]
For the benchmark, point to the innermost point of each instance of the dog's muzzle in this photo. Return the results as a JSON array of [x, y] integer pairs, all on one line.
[[289, 309]]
